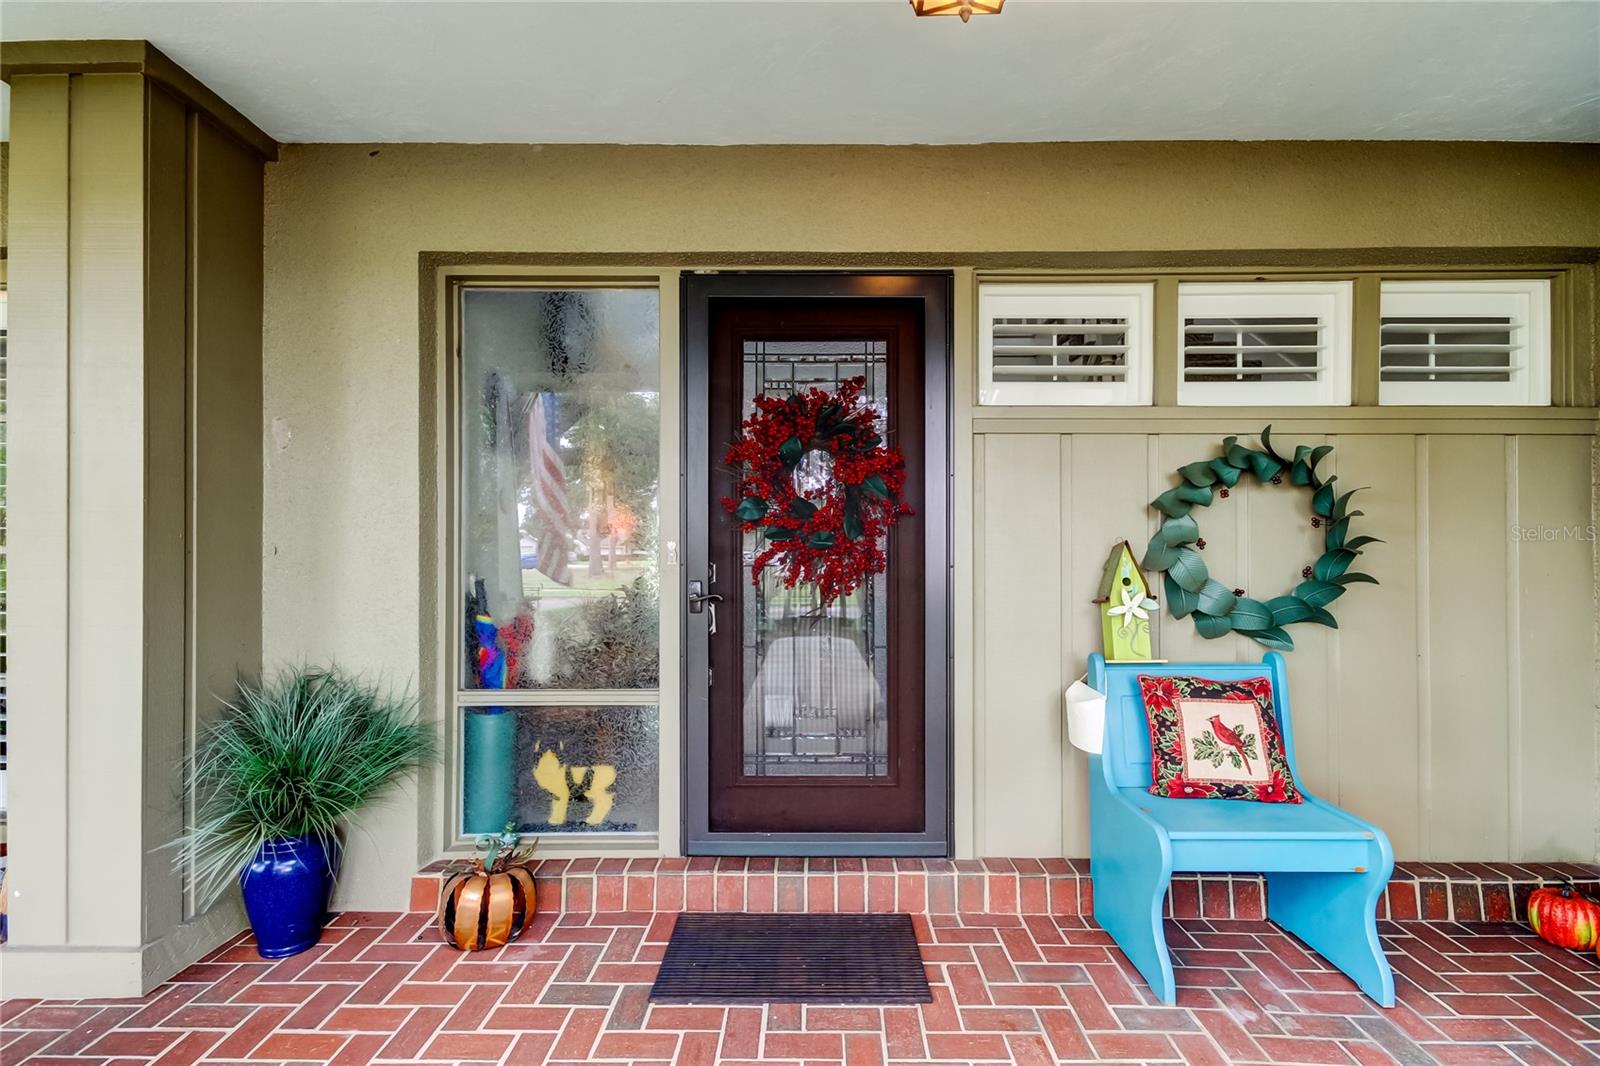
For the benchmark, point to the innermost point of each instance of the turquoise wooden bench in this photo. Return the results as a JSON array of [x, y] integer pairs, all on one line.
[[1325, 868]]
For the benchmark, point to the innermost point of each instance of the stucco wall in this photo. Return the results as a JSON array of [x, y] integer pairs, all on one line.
[[345, 224]]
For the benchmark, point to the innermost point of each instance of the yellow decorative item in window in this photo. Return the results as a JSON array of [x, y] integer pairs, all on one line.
[[567, 784]]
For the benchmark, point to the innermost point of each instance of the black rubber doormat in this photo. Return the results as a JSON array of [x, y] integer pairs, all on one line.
[[792, 958]]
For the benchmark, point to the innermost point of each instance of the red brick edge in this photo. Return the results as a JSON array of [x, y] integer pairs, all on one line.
[[1463, 892]]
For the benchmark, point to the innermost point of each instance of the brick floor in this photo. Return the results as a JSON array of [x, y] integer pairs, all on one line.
[[1029, 989]]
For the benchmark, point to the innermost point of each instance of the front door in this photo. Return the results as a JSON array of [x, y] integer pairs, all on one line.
[[815, 726]]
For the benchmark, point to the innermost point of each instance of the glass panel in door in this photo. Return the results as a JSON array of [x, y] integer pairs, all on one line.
[[815, 676]]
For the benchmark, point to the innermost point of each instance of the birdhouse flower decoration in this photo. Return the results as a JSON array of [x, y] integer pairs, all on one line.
[[1125, 607]]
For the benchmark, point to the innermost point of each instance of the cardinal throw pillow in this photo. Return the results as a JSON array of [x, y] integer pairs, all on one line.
[[1215, 740]]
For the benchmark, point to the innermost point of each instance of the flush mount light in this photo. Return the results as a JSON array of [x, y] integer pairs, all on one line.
[[965, 8]]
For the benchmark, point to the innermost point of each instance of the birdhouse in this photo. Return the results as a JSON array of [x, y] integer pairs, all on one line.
[[1125, 606]]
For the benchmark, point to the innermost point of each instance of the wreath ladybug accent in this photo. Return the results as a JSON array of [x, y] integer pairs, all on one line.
[[819, 484], [1190, 588]]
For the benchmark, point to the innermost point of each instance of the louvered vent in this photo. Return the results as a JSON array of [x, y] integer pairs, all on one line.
[[1253, 348], [1464, 342], [1468, 348], [1265, 343], [1067, 343], [1060, 349]]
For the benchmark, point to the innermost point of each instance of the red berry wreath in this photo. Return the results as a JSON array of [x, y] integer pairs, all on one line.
[[818, 483]]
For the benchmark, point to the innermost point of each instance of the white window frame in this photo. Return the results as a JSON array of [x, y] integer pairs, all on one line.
[[1525, 301], [1134, 302], [1330, 301]]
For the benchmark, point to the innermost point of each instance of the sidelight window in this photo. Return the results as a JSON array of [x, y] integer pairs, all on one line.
[[557, 620]]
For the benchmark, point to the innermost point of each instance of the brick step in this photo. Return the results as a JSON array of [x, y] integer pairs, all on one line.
[[1463, 892]]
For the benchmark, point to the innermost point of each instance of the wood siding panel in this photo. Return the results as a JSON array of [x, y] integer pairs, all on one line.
[[1441, 708], [106, 506], [108, 228], [1374, 714], [1105, 497], [1554, 697], [166, 738], [38, 389], [224, 416], [1019, 745], [1463, 548]]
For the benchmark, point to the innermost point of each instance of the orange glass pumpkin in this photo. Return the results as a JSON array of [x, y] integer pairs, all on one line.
[[1564, 917]]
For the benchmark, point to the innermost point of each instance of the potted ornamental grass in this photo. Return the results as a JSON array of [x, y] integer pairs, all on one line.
[[274, 779]]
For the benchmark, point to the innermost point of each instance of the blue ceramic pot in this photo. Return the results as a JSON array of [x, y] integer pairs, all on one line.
[[286, 893]]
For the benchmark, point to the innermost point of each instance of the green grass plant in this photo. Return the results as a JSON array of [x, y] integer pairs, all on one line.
[[291, 757]]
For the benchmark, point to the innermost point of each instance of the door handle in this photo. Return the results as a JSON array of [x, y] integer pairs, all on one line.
[[702, 601]]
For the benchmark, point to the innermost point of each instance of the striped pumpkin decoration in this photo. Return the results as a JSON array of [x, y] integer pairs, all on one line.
[[482, 909], [1564, 917]]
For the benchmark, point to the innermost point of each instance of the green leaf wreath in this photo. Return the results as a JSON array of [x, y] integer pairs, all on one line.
[[1217, 609]]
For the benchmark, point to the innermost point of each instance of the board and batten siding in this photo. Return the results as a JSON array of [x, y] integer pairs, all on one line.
[[1455, 704]]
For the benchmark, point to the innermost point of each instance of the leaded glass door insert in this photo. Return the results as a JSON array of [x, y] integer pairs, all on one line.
[[814, 675]]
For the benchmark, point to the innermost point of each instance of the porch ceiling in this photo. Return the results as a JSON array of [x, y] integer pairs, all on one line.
[[867, 71]]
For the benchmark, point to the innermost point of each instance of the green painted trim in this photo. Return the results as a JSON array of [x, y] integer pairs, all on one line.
[[1283, 264], [1167, 340], [1366, 312], [1583, 335], [1482, 421], [1575, 359], [22, 58]]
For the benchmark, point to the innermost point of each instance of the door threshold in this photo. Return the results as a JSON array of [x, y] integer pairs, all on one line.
[[816, 845]]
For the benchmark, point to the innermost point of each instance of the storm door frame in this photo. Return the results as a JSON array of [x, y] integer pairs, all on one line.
[[700, 291]]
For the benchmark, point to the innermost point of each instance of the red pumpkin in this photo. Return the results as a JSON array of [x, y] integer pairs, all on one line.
[[1564, 918]]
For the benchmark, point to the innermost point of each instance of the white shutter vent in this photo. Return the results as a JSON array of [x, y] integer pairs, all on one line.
[[1061, 348], [1465, 342], [1065, 344], [1268, 342]]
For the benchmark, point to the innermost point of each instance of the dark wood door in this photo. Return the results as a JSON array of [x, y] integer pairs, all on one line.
[[816, 711]]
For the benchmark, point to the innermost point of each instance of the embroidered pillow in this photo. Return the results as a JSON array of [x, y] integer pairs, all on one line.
[[1215, 740]]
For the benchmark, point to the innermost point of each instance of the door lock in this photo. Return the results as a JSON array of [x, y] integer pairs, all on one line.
[[701, 601]]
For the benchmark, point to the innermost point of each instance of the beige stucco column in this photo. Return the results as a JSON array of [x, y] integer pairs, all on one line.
[[135, 497]]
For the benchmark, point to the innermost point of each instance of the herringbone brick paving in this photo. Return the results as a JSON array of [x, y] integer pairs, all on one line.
[[1027, 989]]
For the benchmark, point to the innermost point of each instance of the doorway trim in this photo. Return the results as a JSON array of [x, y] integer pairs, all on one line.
[[700, 291]]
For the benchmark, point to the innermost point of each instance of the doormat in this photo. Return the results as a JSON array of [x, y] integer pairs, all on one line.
[[792, 958]]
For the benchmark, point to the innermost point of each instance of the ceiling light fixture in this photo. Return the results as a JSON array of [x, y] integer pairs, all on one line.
[[965, 8]]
